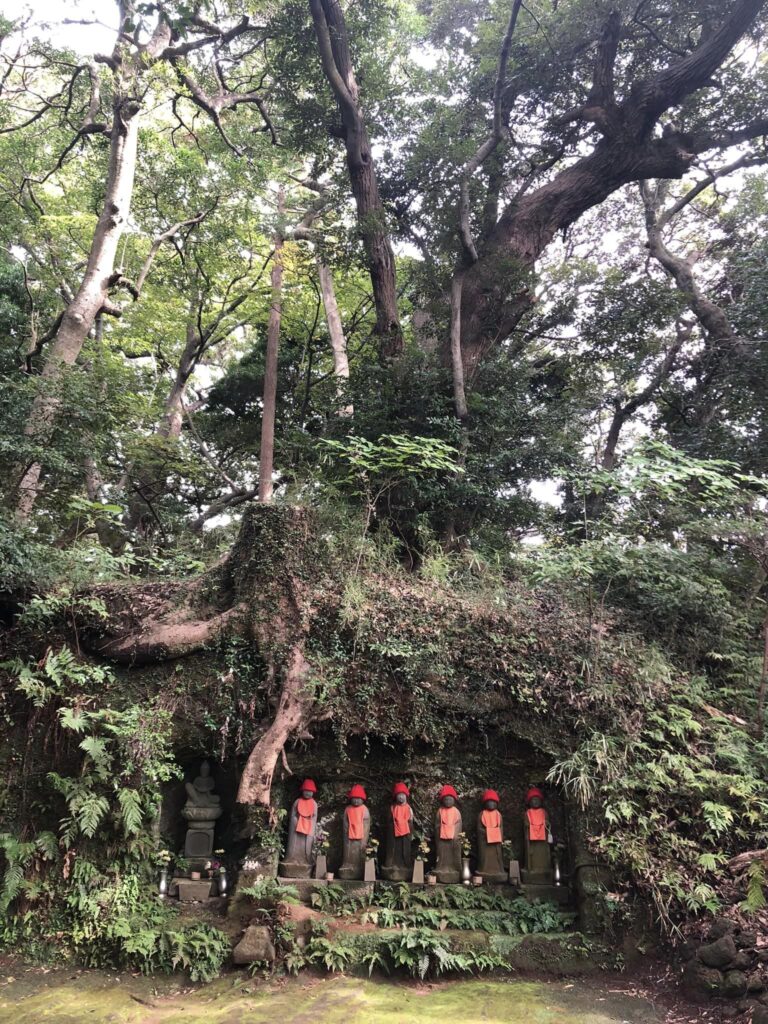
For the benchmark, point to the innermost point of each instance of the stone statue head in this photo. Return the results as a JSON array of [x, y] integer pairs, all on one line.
[[534, 797], [447, 796], [400, 798], [356, 795], [307, 794], [205, 770], [490, 799]]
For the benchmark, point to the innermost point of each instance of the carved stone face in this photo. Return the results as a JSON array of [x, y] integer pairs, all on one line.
[[356, 801], [536, 801], [307, 794], [447, 801], [490, 805], [400, 798]]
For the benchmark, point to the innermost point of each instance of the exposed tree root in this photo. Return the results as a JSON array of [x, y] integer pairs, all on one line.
[[293, 712]]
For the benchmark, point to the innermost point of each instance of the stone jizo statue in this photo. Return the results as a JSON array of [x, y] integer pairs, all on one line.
[[398, 855], [448, 829], [356, 830], [200, 792], [302, 827], [490, 836], [201, 811], [537, 836]]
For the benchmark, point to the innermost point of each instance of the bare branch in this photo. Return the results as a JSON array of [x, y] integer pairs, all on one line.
[[743, 161], [711, 317]]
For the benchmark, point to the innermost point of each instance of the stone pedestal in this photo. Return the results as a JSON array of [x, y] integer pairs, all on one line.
[[418, 872], [194, 891], [321, 866], [369, 874], [198, 845]]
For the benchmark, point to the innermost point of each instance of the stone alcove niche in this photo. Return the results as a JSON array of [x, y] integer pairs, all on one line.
[[505, 764], [173, 826]]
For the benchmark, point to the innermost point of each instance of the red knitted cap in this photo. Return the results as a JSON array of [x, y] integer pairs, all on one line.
[[357, 792], [447, 791], [400, 787], [490, 794], [532, 792], [308, 786]]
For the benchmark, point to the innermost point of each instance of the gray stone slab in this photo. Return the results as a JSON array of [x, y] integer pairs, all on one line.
[[194, 891]]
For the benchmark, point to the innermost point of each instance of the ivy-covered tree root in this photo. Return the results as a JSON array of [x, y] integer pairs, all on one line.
[[263, 592]]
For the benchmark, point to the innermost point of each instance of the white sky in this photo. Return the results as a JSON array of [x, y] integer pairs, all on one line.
[[50, 15]]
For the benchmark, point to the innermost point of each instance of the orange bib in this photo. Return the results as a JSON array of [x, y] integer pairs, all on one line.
[[355, 817], [401, 816], [492, 823], [305, 810], [537, 824], [449, 818]]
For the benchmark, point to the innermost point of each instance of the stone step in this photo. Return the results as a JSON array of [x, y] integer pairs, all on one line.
[[560, 894], [540, 891], [306, 886], [552, 953]]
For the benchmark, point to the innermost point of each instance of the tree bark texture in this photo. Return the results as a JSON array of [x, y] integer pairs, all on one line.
[[333, 45], [291, 714], [79, 317], [712, 317], [336, 334], [457, 364], [269, 398]]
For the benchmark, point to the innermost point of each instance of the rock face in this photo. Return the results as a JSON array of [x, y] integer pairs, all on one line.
[[701, 982], [719, 953], [734, 984], [255, 945], [729, 967], [720, 926]]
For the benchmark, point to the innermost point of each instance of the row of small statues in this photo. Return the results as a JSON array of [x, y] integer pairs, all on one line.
[[397, 864]]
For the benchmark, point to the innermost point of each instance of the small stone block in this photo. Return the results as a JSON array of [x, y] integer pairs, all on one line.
[[418, 872], [197, 891], [254, 947], [370, 870], [514, 872], [321, 866]]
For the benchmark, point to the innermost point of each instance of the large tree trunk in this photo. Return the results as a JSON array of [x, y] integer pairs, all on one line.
[[269, 400], [92, 295], [336, 334], [497, 289], [148, 479], [333, 44]]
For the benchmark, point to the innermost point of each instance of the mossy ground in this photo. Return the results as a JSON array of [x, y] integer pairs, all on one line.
[[64, 997]]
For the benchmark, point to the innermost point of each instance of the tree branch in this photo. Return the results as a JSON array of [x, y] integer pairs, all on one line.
[[694, 70], [491, 141]]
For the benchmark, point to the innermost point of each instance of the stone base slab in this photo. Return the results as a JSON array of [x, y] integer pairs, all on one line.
[[196, 891]]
